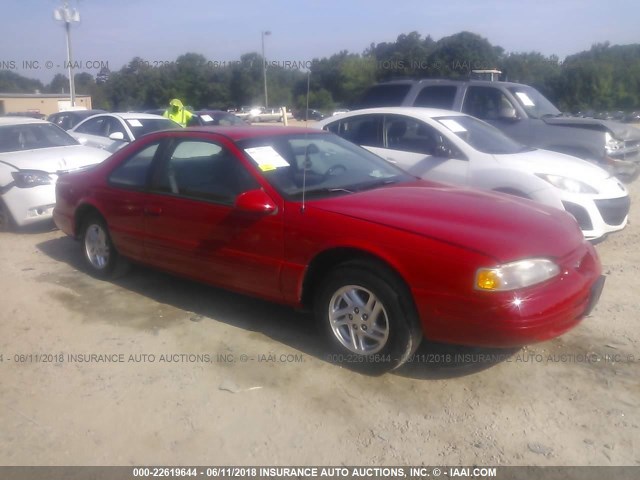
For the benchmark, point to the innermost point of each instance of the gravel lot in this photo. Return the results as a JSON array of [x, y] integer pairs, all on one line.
[[201, 376]]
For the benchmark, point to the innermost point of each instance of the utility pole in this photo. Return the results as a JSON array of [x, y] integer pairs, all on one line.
[[264, 70], [68, 15]]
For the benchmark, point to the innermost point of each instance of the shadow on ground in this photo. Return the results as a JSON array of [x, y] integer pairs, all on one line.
[[280, 323]]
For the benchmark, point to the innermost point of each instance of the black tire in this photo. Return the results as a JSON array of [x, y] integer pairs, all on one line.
[[394, 315], [6, 220], [100, 255]]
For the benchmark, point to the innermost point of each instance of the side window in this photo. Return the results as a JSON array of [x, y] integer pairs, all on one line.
[[113, 125], [486, 103], [62, 120], [94, 126], [363, 130], [438, 96], [410, 135], [204, 171], [133, 171]]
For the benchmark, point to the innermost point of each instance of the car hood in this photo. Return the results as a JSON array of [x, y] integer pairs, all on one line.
[[617, 129], [554, 163], [55, 159], [501, 226]]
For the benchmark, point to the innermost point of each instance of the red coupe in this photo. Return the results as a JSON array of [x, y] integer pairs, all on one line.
[[302, 217]]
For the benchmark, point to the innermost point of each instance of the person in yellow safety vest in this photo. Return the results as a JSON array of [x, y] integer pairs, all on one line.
[[177, 112]]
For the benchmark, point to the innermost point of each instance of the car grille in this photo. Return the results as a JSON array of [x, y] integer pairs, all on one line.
[[580, 214], [614, 210]]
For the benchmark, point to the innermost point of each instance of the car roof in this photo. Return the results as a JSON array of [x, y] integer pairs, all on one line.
[[20, 120], [133, 115], [450, 81], [209, 110], [414, 111], [236, 133]]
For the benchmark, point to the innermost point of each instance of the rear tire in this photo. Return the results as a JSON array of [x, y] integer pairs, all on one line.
[[368, 318], [101, 256]]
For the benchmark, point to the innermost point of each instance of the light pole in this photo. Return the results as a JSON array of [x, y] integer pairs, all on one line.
[[264, 70], [68, 15]]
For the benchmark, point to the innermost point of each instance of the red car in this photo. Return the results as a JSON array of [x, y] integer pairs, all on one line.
[[303, 217]]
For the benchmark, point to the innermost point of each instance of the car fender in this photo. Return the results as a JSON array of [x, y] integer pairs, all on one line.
[[508, 179]]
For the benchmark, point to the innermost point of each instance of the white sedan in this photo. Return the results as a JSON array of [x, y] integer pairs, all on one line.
[[33, 153], [112, 131], [455, 148]]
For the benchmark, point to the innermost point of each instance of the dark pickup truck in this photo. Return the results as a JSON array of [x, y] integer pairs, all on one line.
[[524, 114]]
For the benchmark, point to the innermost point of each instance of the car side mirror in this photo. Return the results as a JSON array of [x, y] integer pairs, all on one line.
[[508, 113], [255, 201], [82, 140], [117, 136]]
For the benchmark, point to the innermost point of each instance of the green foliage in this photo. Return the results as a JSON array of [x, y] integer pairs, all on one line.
[[604, 77], [11, 82]]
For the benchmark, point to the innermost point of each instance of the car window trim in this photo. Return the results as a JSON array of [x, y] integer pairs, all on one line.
[[171, 144], [146, 187]]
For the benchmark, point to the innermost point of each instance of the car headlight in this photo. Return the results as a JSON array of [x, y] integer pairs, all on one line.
[[611, 144], [31, 178], [520, 274], [567, 184]]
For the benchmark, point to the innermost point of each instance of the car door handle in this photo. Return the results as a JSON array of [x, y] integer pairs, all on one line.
[[391, 160], [152, 211]]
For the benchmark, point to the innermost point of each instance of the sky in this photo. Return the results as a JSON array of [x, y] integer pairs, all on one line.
[[112, 32]]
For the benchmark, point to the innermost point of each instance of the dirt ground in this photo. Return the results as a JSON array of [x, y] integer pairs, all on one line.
[[201, 376]]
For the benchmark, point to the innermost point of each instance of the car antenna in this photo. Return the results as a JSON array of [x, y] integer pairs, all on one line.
[[306, 152]]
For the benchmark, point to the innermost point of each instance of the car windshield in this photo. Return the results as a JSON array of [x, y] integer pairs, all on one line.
[[320, 164], [535, 104], [142, 126], [385, 95], [14, 138], [226, 119], [480, 135]]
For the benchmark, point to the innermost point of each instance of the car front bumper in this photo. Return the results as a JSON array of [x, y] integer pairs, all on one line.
[[519, 317], [598, 217], [30, 205]]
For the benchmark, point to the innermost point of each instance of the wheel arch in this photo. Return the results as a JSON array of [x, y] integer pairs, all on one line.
[[82, 212], [325, 261]]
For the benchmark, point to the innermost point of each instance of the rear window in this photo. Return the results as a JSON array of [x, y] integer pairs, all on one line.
[[440, 96], [385, 95]]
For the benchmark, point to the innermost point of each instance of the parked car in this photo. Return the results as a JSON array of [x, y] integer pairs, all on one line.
[[156, 111], [112, 131], [69, 119], [267, 115], [447, 146], [309, 114], [306, 218], [632, 117], [38, 115], [522, 113], [208, 118], [245, 111], [33, 153]]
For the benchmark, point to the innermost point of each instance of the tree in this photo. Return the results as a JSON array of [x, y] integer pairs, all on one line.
[[59, 84], [11, 82]]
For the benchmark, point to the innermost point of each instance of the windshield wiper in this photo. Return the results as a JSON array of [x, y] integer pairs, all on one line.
[[316, 191], [375, 184]]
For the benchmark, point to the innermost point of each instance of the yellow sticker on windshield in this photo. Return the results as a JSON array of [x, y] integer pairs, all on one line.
[[266, 158]]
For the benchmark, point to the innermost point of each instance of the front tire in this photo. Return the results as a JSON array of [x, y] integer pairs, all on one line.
[[6, 220], [368, 318], [101, 256]]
